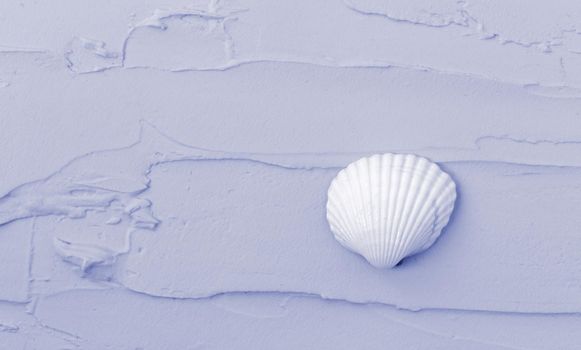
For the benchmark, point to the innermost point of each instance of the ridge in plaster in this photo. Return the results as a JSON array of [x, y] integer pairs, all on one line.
[[173, 39], [113, 188]]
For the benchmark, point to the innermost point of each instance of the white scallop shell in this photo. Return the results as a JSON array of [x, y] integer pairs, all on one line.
[[387, 207]]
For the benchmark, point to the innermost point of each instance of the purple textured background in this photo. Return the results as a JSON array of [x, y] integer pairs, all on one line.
[[164, 168]]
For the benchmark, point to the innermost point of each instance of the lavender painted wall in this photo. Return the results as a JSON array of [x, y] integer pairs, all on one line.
[[164, 168]]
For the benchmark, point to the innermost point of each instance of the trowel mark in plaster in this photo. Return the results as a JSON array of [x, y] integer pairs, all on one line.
[[72, 191], [448, 325], [452, 13], [57, 195], [89, 56], [118, 190]]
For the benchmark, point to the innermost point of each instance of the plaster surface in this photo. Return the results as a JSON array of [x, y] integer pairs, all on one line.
[[164, 167]]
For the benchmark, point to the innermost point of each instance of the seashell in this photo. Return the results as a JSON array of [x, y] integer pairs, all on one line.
[[387, 207]]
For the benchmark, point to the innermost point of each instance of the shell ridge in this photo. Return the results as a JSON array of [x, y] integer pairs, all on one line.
[[426, 230], [429, 205], [361, 198], [352, 205], [431, 239], [377, 222], [334, 208], [417, 180], [394, 186], [440, 211], [345, 211], [383, 193], [338, 220], [419, 213], [370, 193], [428, 226], [401, 210], [390, 163], [367, 197], [421, 202]]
